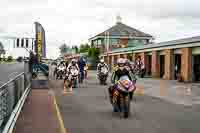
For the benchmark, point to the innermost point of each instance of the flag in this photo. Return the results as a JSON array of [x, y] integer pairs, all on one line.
[[40, 45]]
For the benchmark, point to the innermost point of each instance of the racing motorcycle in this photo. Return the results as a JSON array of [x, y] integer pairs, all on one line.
[[121, 94], [103, 75], [73, 78], [60, 72]]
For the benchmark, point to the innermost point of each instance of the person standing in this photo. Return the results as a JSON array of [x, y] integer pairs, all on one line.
[[31, 62]]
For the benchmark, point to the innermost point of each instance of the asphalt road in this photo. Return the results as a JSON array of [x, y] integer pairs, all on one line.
[[87, 110], [10, 70]]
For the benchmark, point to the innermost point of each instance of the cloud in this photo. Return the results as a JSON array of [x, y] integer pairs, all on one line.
[[74, 21]]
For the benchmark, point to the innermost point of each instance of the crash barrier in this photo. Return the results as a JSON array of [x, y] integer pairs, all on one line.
[[12, 97]]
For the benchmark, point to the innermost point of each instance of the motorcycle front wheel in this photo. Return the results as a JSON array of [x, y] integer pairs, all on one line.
[[125, 105]]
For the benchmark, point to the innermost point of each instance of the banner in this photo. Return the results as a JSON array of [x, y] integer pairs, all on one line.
[[40, 45]]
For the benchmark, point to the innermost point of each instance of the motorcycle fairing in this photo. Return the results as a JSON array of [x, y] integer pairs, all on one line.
[[125, 85], [104, 70]]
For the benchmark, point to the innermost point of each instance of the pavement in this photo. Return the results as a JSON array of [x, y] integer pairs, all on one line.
[[87, 110], [39, 114], [8, 71], [187, 94]]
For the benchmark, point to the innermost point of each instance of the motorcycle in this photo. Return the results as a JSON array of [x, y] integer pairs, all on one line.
[[73, 78], [103, 75], [121, 94], [60, 72]]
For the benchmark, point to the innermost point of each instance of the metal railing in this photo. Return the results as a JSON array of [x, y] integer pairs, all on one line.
[[10, 96]]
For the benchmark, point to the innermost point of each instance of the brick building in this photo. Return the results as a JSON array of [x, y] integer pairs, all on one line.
[[162, 60]]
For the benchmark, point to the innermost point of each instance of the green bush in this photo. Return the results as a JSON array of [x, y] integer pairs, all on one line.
[[19, 59], [10, 58]]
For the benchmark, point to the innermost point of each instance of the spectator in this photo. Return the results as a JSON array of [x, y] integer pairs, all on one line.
[[31, 61]]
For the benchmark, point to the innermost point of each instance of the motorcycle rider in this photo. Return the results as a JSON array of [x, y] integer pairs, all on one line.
[[129, 67], [100, 65], [71, 65], [81, 64], [62, 65], [120, 70]]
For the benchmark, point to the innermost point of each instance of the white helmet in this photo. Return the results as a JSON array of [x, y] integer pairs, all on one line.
[[121, 61], [73, 61], [101, 61]]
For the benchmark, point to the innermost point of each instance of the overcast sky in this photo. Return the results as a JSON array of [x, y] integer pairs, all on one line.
[[74, 21]]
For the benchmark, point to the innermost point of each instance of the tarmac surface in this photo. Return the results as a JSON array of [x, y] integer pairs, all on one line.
[[87, 110], [8, 71]]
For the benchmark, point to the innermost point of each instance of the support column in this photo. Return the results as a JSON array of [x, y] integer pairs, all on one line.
[[169, 67], [118, 56], [186, 64], [133, 56], [125, 56], [106, 59], [112, 61], [143, 58], [155, 69]]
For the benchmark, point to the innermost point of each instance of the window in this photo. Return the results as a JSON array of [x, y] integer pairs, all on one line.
[[131, 42], [114, 41], [140, 41], [95, 42], [136, 41], [99, 42]]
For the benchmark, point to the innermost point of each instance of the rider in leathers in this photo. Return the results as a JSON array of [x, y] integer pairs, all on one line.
[[101, 65], [73, 64], [120, 70]]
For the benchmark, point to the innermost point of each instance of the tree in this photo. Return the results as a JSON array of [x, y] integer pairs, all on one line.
[[76, 49], [19, 59], [2, 51], [10, 58], [94, 53], [84, 48], [63, 48]]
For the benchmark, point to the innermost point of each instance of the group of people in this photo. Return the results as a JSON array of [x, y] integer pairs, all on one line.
[[124, 67], [80, 66]]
